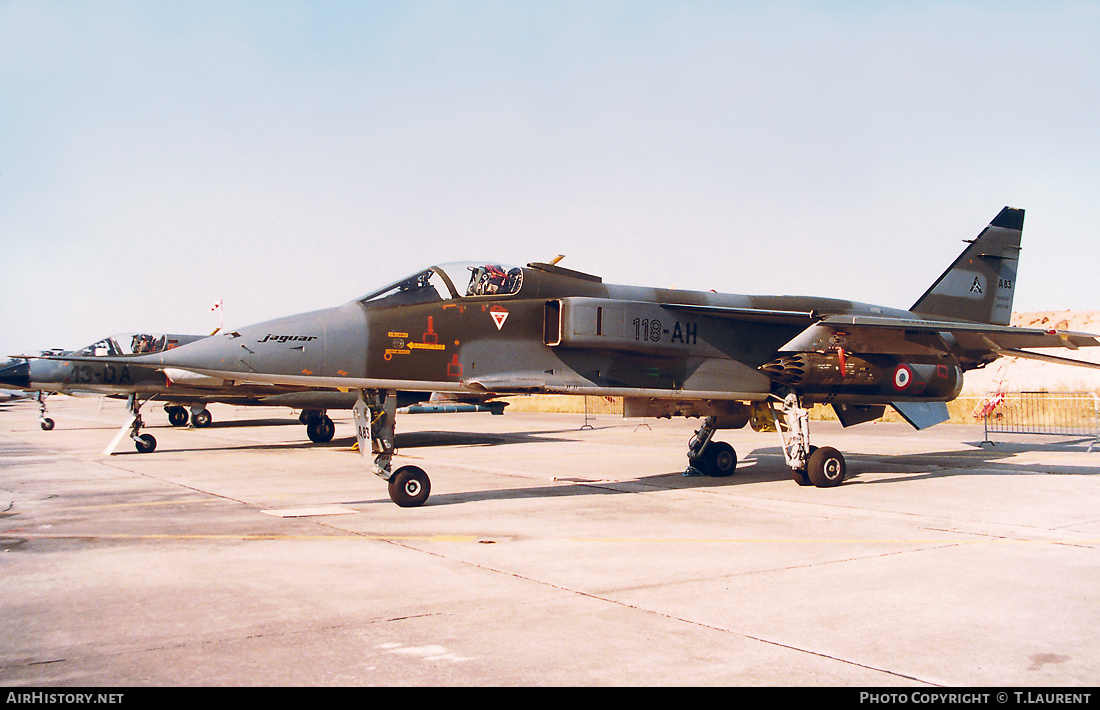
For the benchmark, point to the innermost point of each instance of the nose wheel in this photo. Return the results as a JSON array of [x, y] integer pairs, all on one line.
[[409, 486], [144, 443], [45, 422]]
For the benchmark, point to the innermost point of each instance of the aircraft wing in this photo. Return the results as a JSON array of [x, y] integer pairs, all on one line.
[[979, 337]]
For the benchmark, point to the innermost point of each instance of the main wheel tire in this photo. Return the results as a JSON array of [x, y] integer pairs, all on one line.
[[201, 418], [719, 459], [409, 486], [177, 416], [826, 467], [320, 430], [800, 477], [799, 474], [145, 443]]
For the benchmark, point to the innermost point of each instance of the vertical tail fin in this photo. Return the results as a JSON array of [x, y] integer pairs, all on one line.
[[980, 284]]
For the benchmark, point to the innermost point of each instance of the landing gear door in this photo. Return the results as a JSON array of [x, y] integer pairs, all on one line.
[[362, 426]]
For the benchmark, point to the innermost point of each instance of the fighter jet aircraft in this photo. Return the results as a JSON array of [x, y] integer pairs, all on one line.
[[485, 328], [45, 377], [108, 368], [102, 369]]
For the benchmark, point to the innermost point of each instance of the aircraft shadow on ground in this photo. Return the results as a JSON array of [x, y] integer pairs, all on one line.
[[767, 464], [749, 471], [240, 423], [410, 440], [760, 465], [983, 460], [423, 439]]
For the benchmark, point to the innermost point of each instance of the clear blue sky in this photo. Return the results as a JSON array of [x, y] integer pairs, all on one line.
[[156, 157]]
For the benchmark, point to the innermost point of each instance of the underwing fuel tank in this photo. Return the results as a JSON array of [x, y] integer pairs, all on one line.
[[839, 376]]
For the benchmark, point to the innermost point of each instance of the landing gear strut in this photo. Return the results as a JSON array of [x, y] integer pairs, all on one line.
[[43, 421], [375, 416], [824, 467], [707, 457], [144, 443]]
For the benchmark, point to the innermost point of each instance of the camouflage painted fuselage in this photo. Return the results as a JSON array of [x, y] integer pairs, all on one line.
[[560, 331]]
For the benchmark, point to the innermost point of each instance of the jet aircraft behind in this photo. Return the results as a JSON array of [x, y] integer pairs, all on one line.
[[489, 329], [107, 367]]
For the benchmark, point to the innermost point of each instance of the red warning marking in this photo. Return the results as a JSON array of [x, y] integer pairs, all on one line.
[[454, 368], [499, 316]]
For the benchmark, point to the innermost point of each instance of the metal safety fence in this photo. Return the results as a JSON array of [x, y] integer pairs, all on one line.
[[600, 407], [1055, 413]]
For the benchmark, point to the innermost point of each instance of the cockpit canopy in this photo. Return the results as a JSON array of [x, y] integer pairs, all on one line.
[[447, 281], [129, 344]]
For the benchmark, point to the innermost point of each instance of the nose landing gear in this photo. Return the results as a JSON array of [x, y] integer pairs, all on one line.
[[144, 443], [45, 422], [375, 416]]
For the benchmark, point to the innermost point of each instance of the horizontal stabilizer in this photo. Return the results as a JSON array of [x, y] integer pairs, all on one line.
[[1048, 358], [922, 415], [979, 335]]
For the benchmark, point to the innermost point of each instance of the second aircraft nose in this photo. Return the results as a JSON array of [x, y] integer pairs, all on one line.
[[15, 376]]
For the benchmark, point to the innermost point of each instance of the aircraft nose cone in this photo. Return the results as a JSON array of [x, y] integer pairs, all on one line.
[[17, 376]]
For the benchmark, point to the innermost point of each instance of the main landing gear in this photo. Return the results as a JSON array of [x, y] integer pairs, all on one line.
[[707, 457], [375, 415], [822, 467], [319, 427], [177, 416]]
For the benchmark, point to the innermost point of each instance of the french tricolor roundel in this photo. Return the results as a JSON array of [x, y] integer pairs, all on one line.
[[903, 377]]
